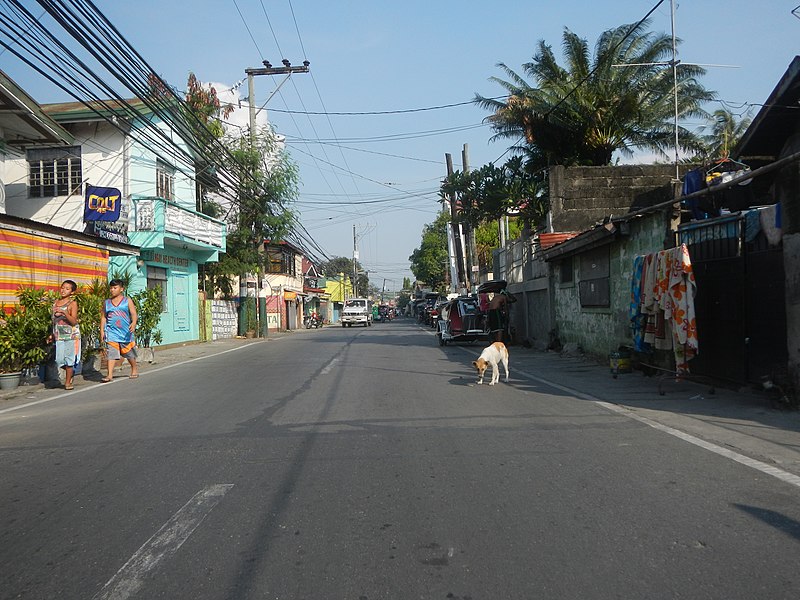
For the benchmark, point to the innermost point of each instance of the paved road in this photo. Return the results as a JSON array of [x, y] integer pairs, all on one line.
[[365, 463]]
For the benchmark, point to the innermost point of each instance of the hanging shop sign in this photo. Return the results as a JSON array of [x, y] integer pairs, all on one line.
[[290, 296], [102, 204]]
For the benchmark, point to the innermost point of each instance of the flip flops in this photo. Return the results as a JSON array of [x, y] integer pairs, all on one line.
[[69, 387], [105, 380]]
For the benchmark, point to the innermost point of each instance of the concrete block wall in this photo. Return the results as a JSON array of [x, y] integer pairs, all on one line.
[[583, 196], [224, 319]]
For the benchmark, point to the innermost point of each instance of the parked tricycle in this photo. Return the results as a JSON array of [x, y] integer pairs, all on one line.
[[461, 320]]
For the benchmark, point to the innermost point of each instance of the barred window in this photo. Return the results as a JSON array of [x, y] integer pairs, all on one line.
[[157, 278], [595, 283], [566, 271], [54, 171], [280, 260], [165, 180]]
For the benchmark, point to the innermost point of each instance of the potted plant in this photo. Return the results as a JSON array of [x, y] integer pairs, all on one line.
[[149, 307], [23, 335], [90, 300]]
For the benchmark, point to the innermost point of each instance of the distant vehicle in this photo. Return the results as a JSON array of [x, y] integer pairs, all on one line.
[[425, 308], [357, 311]]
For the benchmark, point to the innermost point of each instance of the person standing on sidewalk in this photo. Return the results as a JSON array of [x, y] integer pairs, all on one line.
[[117, 325], [498, 316], [66, 332]]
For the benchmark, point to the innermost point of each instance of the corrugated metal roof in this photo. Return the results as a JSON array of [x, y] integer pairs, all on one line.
[[547, 240], [95, 109]]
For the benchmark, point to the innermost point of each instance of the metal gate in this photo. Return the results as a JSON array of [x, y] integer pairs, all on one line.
[[740, 304]]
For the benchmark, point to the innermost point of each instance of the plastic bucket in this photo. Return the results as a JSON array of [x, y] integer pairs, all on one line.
[[620, 362]]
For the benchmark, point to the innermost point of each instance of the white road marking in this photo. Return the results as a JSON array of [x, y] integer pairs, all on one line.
[[166, 542], [758, 465], [329, 367]]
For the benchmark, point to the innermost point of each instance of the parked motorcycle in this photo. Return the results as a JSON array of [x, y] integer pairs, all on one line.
[[312, 321]]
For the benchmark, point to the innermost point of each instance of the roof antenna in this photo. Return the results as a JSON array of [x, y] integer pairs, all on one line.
[[674, 63]]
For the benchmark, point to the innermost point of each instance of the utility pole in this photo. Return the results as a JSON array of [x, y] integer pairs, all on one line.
[[457, 270], [474, 268], [355, 258], [287, 69]]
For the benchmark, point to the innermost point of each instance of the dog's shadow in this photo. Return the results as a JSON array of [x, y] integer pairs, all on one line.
[[465, 380]]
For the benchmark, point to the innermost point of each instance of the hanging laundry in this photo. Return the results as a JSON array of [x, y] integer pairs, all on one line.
[[638, 320], [770, 224], [666, 305], [752, 224], [694, 181], [657, 328], [679, 307]]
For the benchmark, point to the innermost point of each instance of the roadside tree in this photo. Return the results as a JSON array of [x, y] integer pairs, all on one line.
[[429, 260], [621, 100]]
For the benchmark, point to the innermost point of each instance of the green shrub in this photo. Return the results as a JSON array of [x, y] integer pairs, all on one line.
[[24, 331], [149, 306]]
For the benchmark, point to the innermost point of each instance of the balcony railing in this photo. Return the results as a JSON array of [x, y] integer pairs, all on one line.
[[159, 215]]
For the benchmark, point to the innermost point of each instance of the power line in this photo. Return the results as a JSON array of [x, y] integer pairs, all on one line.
[[393, 137], [382, 112], [62, 67]]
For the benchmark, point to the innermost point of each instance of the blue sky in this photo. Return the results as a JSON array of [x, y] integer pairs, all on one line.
[[381, 172]]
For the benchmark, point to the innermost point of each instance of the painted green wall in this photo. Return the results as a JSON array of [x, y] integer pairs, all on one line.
[[599, 331]]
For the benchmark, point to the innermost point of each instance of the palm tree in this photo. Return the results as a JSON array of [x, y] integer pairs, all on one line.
[[726, 131], [585, 111]]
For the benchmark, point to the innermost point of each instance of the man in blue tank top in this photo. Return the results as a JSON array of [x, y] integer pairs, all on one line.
[[117, 325]]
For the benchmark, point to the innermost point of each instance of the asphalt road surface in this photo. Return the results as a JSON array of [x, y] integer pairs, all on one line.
[[365, 464]]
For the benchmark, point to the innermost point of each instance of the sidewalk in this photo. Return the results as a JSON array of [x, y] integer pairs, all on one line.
[[34, 390], [743, 421]]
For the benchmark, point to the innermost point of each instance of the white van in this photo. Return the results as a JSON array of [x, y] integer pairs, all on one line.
[[357, 311]]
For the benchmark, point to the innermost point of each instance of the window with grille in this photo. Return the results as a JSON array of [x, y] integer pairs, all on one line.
[[54, 171], [165, 180], [566, 271], [157, 278], [595, 285], [280, 260]]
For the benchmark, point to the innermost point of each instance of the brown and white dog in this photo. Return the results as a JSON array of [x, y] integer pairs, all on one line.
[[496, 353]]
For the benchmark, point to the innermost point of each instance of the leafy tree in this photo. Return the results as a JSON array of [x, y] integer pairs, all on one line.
[[202, 100], [403, 299], [585, 111], [487, 238], [342, 264], [267, 184], [491, 192], [406, 283], [337, 265], [206, 127], [429, 260]]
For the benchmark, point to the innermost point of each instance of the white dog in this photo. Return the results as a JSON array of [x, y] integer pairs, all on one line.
[[492, 355]]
